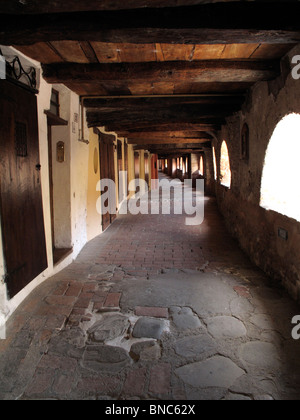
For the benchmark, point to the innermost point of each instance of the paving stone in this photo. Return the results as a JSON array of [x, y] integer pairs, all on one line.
[[184, 318], [63, 384], [151, 353], [74, 289], [218, 372], [145, 350], [23, 339], [58, 346], [109, 328], [160, 379], [112, 300], [137, 348], [195, 346], [107, 386], [60, 300], [61, 289], [260, 354], [242, 291], [225, 327], [237, 397], [240, 307], [149, 328], [61, 363], [40, 383], [135, 382], [56, 322], [264, 398], [105, 358], [201, 394], [263, 321], [152, 312]]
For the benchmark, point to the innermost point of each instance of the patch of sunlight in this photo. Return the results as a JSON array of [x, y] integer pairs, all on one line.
[[215, 163], [225, 166], [279, 188]]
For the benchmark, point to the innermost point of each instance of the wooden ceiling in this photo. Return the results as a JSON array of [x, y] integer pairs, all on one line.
[[164, 74]]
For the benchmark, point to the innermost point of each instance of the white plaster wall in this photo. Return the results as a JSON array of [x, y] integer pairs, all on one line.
[[62, 174], [94, 219], [79, 179]]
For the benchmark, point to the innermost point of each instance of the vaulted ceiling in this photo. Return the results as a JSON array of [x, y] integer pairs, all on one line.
[[164, 74]]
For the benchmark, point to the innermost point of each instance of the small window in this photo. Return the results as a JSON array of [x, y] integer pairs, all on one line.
[[225, 166], [54, 103]]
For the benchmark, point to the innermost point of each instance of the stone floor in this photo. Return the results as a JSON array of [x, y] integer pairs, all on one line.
[[154, 309]]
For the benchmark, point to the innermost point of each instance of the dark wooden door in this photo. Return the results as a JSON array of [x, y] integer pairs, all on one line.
[[21, 206], [107, 171]]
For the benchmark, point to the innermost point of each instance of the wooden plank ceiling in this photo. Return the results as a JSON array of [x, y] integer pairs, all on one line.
[[161, 75]]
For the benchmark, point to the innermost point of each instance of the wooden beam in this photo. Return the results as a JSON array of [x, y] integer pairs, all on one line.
[[162, 135], [122, 126], [133, 103], [207, 71], [217, 23], [54, 6], [168, 140], [180, 113], [171, 130], [178, 152], [173, 146]]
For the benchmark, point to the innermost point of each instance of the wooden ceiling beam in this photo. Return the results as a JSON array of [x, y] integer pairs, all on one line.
[[168, 140], [206, 71], [181, 113], [54, 6], [158, 135], [133, 103], [123, 126], [166, 147], [216, 23]]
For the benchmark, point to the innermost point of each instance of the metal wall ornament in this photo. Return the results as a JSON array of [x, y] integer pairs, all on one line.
[[16, 71]]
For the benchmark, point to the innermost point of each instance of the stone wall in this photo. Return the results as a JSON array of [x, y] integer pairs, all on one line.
[[256, 228]]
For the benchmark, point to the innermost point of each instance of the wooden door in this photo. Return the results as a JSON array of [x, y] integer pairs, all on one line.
[[107, 171], [21, 206]]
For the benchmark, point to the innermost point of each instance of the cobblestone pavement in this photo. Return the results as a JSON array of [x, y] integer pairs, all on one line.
[[154, 309]]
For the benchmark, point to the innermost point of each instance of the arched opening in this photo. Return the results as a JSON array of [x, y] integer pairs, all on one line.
[[279, 191], [215, 163], [225, 166], [201, 166]]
